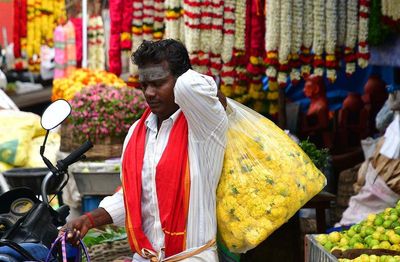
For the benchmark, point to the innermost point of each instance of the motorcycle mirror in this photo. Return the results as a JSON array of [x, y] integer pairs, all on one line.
[[55, 114]]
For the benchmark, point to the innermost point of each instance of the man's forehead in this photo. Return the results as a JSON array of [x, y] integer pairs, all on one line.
[[153, 72]]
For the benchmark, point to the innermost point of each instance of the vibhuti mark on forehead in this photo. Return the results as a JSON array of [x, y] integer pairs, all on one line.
[[152, 73]]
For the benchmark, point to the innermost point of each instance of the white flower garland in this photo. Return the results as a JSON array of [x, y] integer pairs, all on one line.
[[308, 33], [158, 27], [191, 25], [148, 19], [351, 35], [285, 40], [217, 26], [331, 38], [391, 9], [341, 23], [272, 35], [205, 32], [172, 19], [137, 31], [363, 52], [319, 35], [240, 25], [229, 31], [297, 34]]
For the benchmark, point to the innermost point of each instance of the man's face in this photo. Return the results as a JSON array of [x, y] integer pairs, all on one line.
[[157, 84]]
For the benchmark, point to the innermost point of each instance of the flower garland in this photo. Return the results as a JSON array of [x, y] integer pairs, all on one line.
[[363, 53], [256, 49], [19, 30], [308, 29], [228, 31], [239, 49], [285, 41], [331, 39], [216, 36], [297, 34], [272, 37], [351, 36], [127, 13], [173, 17], [341, 35], [96, 59], [228, 69], [158, 29], [114, 52], [191, 17], [148, 19], [137, 38], [319, 36], [391, 11]]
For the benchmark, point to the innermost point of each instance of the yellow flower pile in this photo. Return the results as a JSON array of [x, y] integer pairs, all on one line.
[[67, 87], [266, 178], [42, 18]]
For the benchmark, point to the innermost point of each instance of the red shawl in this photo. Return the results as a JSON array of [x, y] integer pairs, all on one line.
[[172, 185]]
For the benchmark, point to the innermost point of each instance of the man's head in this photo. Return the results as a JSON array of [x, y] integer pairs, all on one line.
[[314, 86], [160, 63]]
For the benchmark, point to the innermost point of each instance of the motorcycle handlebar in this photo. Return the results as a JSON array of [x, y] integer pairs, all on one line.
[[75, 155]]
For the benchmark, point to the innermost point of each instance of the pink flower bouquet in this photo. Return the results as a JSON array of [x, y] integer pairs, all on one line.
[[102, 111]]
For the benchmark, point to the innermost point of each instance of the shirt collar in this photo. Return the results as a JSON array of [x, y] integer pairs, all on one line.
[[151, 121]]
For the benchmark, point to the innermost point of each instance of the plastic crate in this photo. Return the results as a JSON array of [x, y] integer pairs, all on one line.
[[97, 184], [315, 252]]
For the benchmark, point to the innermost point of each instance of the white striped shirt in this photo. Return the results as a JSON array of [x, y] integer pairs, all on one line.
[[196, 95]]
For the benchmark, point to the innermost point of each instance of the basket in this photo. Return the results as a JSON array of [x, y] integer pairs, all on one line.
[[109, 251], [109, 147]]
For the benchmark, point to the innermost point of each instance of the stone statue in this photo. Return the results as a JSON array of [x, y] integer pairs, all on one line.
[[315, 123]]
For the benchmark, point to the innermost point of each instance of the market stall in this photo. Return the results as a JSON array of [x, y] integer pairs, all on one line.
[[321, 69]]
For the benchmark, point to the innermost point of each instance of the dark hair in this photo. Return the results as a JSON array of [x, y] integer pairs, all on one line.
[[170, 50]]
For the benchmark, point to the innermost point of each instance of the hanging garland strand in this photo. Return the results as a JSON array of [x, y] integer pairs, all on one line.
[[351, 36], [173, 16], [331, 39], [285, 41], [272, 37], [227, 71], [297, 35], [363, 50], [319, 36], [308, 29]]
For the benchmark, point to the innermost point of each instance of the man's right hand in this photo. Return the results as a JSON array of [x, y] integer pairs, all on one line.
[[77, 228]]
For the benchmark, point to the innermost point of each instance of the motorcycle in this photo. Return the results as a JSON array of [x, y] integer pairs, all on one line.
[[27, 219]]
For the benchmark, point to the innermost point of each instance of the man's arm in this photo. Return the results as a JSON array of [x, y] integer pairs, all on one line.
[[197, 96], [78, 227]]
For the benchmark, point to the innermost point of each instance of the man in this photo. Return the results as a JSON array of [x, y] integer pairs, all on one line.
[[171, 163]]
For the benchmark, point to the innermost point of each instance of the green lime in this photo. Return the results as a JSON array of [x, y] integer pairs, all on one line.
[[387, 224], [385, 244], [328, 246], [351, 232], [369, 231], [378, 221], [395, 224], [374, 242], [384, 237], [393, 217], [376, 235], [397, 230]]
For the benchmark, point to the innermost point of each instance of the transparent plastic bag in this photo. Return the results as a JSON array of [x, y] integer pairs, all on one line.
[[266, 179]]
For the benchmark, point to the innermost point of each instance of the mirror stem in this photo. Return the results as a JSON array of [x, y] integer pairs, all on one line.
[[46, 161]]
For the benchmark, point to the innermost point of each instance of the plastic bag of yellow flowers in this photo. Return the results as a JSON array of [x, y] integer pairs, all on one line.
[[266, 179]]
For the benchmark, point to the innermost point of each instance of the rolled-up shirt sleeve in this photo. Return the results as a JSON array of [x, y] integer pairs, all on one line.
[[196, 95], [114, 205]]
